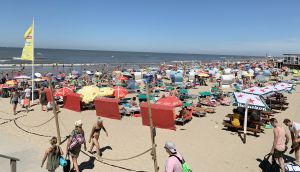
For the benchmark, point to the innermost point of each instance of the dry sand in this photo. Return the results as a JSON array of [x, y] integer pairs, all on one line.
[[203, 142]]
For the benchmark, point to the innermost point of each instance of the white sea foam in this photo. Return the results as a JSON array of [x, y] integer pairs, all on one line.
[[16, 58]]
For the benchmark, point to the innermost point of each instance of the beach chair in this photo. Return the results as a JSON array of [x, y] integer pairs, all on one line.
[[182, 121], [236, 87]]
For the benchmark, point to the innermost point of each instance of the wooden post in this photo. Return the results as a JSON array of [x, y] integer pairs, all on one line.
[[13, 165], [151, 130], [55, 112]]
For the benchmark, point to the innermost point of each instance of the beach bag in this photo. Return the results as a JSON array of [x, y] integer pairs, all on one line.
[[67, 167], [76, 140], [185, 166], [266, 166], [62, 161]]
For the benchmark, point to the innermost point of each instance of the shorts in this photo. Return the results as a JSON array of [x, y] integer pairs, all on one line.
[[278, 154]]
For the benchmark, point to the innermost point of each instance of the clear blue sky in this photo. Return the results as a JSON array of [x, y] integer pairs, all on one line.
[[251, 27]]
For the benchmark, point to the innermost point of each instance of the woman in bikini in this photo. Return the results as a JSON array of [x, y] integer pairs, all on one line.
[[94, 136]]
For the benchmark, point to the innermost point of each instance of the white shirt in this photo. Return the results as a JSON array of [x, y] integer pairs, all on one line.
[[295, 127], [27, 92]]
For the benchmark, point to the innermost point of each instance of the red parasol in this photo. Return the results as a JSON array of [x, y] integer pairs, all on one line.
[[120, 92], [170, 101], [122, 78], [64, 91]]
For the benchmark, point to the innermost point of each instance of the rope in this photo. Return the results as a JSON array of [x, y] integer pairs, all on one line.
[[124, 159], [33, 133], [35, 126], [123, 168], [10, 120], [37, 134]]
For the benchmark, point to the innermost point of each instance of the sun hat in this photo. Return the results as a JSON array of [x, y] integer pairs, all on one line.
[[78, 123], [171, 147]]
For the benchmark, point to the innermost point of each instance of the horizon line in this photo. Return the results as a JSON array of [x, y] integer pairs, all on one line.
[[144, 52]]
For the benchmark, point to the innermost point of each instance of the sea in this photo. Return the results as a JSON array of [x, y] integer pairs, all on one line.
[[45, 58]]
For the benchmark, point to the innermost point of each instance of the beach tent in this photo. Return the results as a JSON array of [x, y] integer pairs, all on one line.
[[260, 91], [255, 102], [38, 75], [72, 102], [170, 101], [163, 116], [108, 108]]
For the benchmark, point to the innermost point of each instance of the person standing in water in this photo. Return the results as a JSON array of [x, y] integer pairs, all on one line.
[[94, 136]]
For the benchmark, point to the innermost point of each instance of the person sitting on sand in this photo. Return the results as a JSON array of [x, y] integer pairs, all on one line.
[[183, 113], [94, 136], [74, 143], [235, 120], [52, 155]]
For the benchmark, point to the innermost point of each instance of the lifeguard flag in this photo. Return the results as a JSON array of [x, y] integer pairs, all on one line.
[[27, 53]]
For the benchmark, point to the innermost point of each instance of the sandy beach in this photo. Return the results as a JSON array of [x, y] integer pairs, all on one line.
[[203, 142]]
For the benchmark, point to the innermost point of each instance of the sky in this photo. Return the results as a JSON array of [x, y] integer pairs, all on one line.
[[241, 27]]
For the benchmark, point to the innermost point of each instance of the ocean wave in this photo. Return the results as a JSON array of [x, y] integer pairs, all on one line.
[[3, 61], [16, 58]]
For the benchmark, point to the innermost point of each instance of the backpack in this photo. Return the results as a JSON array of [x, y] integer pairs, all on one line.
[[185, 166]]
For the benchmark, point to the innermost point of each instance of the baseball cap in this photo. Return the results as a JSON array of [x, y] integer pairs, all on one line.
[[171, 147]]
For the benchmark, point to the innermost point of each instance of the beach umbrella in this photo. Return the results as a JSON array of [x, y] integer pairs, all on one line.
[[254, 101], [22, 77], [120, 92], [89, 93], [170, 101], [38, 75], [122, 78], [106, 91], [98, 73], [64, 91], [203, 75], [260, 91], [11, 83], [261, 78], [282, 86]]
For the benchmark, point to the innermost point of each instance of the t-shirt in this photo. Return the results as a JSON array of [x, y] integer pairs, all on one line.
[[27, 92], [295, 127], [173, 164]]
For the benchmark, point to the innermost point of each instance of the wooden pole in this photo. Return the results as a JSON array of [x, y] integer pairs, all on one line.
[[151, 130], [55, 112]]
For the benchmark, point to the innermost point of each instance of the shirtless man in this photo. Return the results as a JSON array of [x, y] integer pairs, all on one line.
[[281, 139]]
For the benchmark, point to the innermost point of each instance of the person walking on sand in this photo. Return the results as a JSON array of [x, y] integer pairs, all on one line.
[[14, 99], [294, 128], [43, 99], [75, 141], [281, 139], [173, 163], [94, 136], [52, 155]]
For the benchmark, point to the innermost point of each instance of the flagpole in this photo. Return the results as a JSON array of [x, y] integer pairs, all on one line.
[[32, 63], [245, 121]]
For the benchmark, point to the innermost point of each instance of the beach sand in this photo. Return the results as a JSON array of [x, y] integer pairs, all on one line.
[[203, 142]]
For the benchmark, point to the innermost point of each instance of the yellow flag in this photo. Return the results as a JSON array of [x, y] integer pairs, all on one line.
[[28, 50]]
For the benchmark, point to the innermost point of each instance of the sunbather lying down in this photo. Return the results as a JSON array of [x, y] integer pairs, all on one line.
[[208, 102], [200, 109]]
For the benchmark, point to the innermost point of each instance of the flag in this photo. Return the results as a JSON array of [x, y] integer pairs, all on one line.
[[28, 50]]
